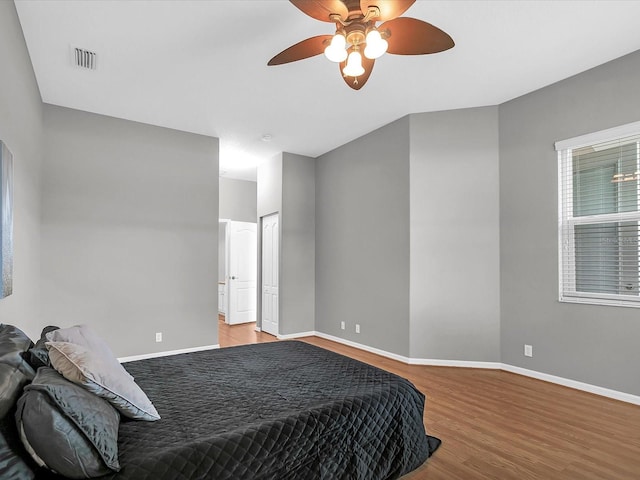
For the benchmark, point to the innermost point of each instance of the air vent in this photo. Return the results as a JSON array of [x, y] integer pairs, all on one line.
[[85, 58]]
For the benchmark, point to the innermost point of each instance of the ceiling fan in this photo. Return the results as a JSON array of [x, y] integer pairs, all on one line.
[[358, 41]]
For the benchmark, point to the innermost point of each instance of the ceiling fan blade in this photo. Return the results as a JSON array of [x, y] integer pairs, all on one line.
[[322, 9], [409, 36], [358, 82], [389, 9], [306, 48]]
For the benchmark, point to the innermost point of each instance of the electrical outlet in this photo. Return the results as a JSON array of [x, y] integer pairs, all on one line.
[[342, 326], [357, 328], [158, 336], [528, 350]]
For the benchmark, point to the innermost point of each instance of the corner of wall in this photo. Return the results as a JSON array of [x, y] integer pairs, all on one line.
[[454, 235], [21, 126]]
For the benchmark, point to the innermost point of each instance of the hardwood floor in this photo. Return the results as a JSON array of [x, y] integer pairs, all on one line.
[[499, 425], [242, 334]]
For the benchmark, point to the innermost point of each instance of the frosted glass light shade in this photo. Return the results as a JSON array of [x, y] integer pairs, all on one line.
[[336, 51], [354, 66], [376, 45]]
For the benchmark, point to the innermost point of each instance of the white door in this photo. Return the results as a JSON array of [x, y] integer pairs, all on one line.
[[242, 272], [270, 263]]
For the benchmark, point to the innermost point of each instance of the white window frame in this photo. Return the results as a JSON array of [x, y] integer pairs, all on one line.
[[566, 223]]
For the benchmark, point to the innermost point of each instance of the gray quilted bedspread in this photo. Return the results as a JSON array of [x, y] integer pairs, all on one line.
[[283, 410]]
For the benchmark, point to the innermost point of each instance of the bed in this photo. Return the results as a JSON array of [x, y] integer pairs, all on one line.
[[282, 410]]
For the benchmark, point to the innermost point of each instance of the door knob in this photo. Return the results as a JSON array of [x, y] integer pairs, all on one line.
[[233, 278]]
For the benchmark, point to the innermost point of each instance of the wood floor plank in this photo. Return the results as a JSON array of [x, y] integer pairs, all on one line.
[[500, 425]]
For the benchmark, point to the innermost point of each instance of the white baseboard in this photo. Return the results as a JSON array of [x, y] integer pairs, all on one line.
[[605, 392], [435, 362], [585, 387], [168, 353], [291, 336], [409, 360], [258, 329], [360, 346]]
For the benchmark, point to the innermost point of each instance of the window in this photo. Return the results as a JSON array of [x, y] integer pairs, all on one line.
[[599, 217]]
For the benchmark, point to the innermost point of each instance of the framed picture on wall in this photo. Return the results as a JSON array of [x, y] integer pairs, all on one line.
[[6, 223]]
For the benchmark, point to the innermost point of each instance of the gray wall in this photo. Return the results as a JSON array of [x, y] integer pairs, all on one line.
[[588, 343], [129, 231], [362, 239], [297, 265], [269, 186], [21, 130], [238, 200], [455, 235]]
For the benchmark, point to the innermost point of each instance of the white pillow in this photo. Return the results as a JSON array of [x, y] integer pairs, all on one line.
[[82, 335], [104, 376]]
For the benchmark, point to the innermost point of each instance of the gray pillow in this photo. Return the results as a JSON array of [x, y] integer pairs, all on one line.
[[103, 376], [67, 429], [38, 355], [15, 372], [13, 344], [12, 381], [15, 463]]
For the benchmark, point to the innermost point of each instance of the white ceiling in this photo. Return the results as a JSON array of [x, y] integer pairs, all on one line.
[[201, 66]]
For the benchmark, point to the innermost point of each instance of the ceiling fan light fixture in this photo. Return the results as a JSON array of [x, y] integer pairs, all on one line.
[[358, 40], [376, 45], [354, 66], [336, 51]]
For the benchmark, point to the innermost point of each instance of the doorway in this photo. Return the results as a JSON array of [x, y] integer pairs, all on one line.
[[270, 249], [237, 283]]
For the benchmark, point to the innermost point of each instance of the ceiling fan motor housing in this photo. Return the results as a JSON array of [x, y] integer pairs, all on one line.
[[355, 33]]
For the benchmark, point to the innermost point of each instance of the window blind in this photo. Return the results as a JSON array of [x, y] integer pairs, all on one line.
[[599, 219]]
